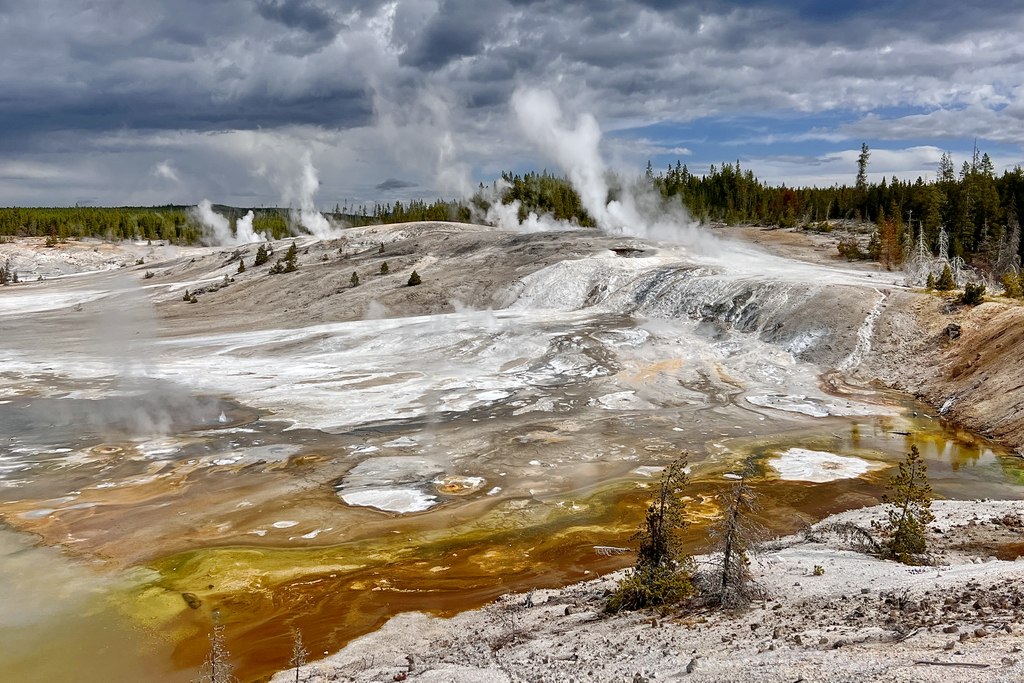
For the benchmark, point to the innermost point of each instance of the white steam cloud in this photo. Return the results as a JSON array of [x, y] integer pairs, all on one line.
[[301, 195], [575, 147], [218, 228], [506, 216]]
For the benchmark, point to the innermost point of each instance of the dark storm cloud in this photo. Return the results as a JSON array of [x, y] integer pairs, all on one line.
[[151, 67], [457, 30], [394, 184]]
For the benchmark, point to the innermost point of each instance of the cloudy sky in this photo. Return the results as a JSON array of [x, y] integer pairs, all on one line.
[[171, 101]]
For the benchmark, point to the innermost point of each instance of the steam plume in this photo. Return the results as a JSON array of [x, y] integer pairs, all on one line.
[[634, 211], [303, 193], [218, 227]]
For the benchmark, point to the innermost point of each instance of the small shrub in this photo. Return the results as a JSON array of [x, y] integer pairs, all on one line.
[[381, 249], [1013, 285], [646, 586], [354, 279], [138, 261], [849, 249], [818, 570], [148, 275], [187, 296], [241, 265], [384, 270], [930, 282], [414, 279], [945, 281], [193, 299], [973, 294]]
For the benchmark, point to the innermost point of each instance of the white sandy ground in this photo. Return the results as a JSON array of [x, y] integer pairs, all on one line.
[[864, 619]]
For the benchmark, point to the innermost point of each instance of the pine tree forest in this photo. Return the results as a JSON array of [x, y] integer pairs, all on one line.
[[968, 213]]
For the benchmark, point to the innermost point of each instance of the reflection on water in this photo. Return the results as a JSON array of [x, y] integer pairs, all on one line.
[[60, 616], [245, 517], [516, 444]]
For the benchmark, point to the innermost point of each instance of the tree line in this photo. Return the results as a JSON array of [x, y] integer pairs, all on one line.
[[971, 212]]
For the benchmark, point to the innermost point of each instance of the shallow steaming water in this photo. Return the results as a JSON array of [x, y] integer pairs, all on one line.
[[327, 477]]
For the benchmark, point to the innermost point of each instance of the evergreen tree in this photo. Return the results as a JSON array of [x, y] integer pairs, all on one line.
[[262, 255], [414, 279], [930, 284], [909, 513], [663, 574], [380, 250], [354, 279], [241, 265], [945, 281], [291, 259], [384, 268], [862, 168], [973, 294]]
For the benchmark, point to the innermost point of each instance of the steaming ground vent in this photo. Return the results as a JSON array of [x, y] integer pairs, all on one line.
[[815, 321]]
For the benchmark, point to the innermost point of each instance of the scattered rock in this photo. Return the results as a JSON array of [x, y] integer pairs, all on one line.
[[192, 600]]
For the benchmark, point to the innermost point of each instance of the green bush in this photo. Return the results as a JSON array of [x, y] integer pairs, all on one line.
[[930, 283], [646, 586], [850, 249], [414, 279], [384, 270], [973, 294], [1013, 285], [354, 279], [945, 281]]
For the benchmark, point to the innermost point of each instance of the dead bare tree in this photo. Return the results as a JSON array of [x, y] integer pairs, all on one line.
[[299, 653], [730, 584], [217, 667]]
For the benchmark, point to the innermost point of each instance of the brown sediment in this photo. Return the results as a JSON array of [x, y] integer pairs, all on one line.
[[336, 593]]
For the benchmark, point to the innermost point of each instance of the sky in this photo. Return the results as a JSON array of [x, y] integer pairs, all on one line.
[[246, 102]]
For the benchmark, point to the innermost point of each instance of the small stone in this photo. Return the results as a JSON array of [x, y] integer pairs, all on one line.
[[865, 591], [691, 666], [798, 640], [192, 600], [950, 645], [777, 632], [568, 611], [950, 629], [1008, 661], [1008, 628], [980, 632], [823, 641], [964, 637]]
